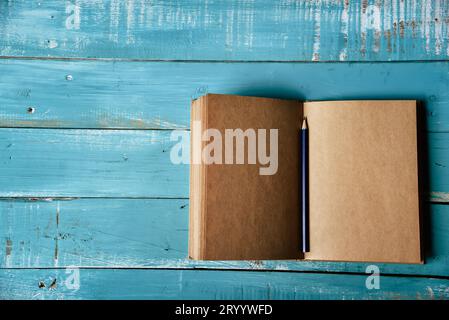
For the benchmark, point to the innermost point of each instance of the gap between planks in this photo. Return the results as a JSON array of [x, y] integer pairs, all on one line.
[[441, 198], [101, 128], [216, 61], [392, 275], [50, 199]]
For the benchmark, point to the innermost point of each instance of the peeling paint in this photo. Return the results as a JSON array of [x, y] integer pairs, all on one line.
[[441, 197], [8, 249], [344, 30], [56, 253], [317, 34], [8, 253], [53, 285], [290, 29]]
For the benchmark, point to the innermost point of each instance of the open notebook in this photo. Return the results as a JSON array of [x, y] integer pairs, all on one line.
[[363, 182]]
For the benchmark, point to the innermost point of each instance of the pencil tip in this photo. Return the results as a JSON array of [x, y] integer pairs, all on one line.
[[304, 123]]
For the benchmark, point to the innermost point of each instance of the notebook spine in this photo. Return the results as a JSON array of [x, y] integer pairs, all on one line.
[[197, 181]]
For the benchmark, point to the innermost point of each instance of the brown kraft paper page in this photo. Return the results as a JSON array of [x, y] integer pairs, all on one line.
[[248, 215], [363, 181]]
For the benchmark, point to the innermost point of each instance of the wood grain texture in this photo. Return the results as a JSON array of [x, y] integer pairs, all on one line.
[[194, 284], [89, 163], [127, 163], [319, 30], [153, 233], [107, 229], [91, 232], [150, 95]]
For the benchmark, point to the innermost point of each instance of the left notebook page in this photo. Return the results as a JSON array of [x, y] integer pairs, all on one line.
[[244, 183]]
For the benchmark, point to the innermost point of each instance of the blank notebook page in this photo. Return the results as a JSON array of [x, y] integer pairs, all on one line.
[[363, 181]]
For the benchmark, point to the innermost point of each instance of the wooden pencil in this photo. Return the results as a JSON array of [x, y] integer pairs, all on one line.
[[305, 186]]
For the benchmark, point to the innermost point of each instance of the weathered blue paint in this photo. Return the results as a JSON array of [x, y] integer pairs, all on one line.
[[128, 163], [117, 228], [208, 284], [316, 30], [91, 232], [143, 95], [90, 163], [153, 234]]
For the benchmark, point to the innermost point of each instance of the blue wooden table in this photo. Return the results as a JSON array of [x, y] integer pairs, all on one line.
[[91, 206]]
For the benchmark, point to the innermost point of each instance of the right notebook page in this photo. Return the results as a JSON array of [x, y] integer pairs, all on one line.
[[363, 181]]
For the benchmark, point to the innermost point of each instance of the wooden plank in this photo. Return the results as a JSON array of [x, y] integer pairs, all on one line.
[[438, 164], [89, 163], [154, 234], [194, 284], [146, 95], [320, 30], [91, 232], [127, 163]]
